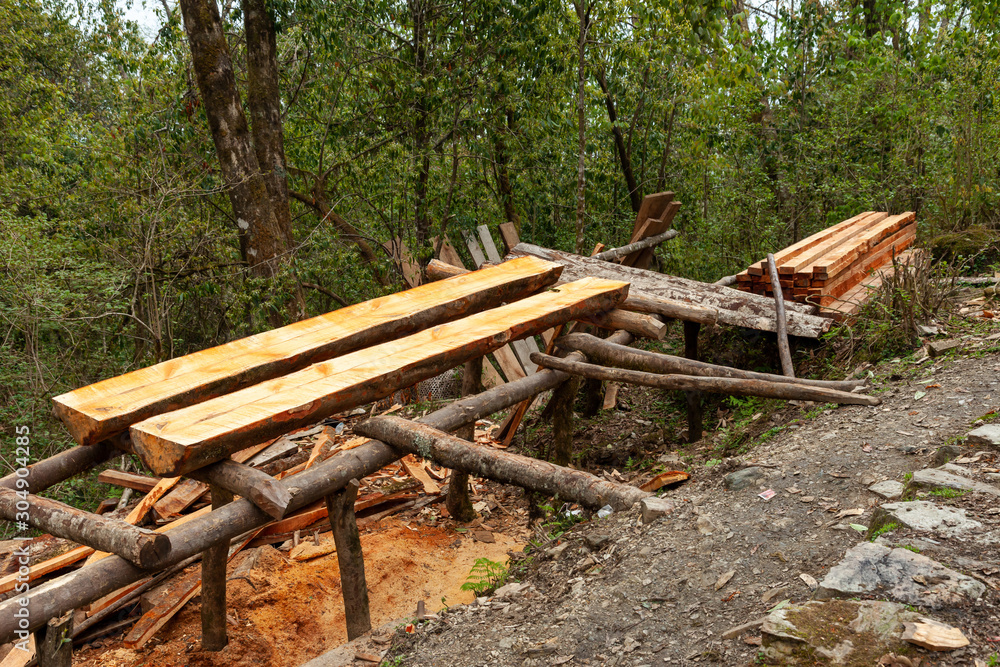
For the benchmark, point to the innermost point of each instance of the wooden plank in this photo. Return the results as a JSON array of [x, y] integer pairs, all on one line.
[[49, 566], [804, 262], [19, 658], [784, 256], [128, 480], [245, 455], [652, 206], [508, 363], [99, 410], [449, 255], [734, 307], [181, 498], [875, 260], [487, 240], [416, 470], [508, 233], [401, 256], [643, 258], [832, 263], [192, 437], [898, 241], [491, 378], [473, 245]]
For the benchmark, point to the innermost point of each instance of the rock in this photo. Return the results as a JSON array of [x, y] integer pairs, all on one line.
[[947, 453], [742, 479], [939, 347], [557, 551], [809, 581], [868, 568], [890, 489], [724, 579], [934, 636], [653, 508], [837, 632], [985, 436], [934, 478], [733, 633], [510, 590], [773, 593], [705, 525], [596, 542], [924, 515]]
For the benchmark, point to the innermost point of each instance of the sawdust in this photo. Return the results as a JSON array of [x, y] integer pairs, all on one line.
[[284, 613]]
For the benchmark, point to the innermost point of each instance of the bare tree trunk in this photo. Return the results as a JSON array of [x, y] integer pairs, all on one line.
[[419, 10], [583, 14], [624, 159], [668, 124], [502, 159], [261, 240]]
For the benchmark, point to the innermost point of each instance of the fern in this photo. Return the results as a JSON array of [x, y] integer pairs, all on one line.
[[485, 577]]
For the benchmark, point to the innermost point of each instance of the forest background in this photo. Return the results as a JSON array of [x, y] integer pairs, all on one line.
[[123, 229]]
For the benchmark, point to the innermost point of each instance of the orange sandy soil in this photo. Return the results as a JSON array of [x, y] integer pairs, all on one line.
[[285, 613]]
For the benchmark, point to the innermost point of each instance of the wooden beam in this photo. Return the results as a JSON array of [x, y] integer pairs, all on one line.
[[784, 352], [542, 476], [213, 584], [187, 439], [734, 307], [605, 353], [508, 232], [731, 386], [258, 487], [137, 545], [350, 559], [94, 412], [143, 483], [185, 494], [641, 259], [795, 250]]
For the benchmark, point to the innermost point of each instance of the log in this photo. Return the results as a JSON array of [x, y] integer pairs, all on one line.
[[447, 450], [213, 583], [192, 536], [458, 502], [695, 417], [55, 648], [734, 307], [726, 281], [38, 570], [644, 326], [622, 356], [137, 545], [784, 352], [177, 442], [94, 412], [732, 386], [649, 242], [258, 487], [61, 466], [350, 559]]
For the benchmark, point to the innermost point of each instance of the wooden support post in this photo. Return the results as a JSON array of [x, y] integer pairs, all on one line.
[[458, 502], [781, 326], [213, 584], [561, 407], [694, 415], [350, 559], [54, 642]]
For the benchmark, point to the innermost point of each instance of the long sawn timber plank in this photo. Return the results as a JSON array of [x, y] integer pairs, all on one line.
[[759, 269], [804, 263], [178, 442], [734, 307], [97, 411], [832, 263]]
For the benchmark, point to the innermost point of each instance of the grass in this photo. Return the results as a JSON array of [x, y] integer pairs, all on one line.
[[882, 530], [948, 493], [910, 547]]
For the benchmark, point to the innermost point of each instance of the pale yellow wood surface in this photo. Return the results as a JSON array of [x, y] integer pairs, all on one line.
[[804, 262], [139, 512], [93, 412], [183, 440]]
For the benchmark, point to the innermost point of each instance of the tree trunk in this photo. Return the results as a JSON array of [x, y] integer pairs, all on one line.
[[262, 243], [624, 159], [583, 15], [458, 503], [561, 409]]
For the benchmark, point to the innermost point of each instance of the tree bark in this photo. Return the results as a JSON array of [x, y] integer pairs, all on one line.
[[561, 409], [583, 16], [459, 503], [258, 487], [214, 636], [350, 559], [137, 545], [262, 242], [645, 326], [731, 386], [621, 356], [264, 100], [624, 159], [779, 308], [55, 645], [573, 485], [61, 466]]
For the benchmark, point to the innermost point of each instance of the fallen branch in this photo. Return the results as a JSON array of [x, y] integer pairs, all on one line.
[[457, 454], [732, 386], [617, 253]]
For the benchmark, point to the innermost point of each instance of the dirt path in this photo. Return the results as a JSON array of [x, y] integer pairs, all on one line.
[[621, 593]]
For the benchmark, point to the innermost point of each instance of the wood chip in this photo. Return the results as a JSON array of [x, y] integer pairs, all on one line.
[[724, 579], [934, 636]]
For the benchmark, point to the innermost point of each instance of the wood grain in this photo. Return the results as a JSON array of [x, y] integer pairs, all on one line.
[[176, 442], [94, 412]]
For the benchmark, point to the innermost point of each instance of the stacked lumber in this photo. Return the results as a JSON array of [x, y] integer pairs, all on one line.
[[830, 266]]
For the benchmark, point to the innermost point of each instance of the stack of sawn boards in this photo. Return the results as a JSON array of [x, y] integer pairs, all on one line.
[[836, 264]]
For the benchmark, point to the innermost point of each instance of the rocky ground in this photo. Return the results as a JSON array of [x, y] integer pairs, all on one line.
[[694, 586]]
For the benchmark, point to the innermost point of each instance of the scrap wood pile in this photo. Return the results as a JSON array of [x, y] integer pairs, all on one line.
[[229, 420], [837, 268]]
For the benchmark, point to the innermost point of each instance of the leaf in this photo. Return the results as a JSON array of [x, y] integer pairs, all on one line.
[[858, 527], [920, 394]]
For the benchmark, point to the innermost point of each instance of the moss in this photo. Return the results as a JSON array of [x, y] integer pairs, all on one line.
[[827, 626]]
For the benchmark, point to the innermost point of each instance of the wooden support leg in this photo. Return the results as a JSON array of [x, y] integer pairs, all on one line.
[[213, 584], [54, 642], [562, 420], [350, 558], [458, 502], [693, 397]]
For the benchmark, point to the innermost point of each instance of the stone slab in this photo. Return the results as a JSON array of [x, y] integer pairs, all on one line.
[[898, 574], [985, 436], [890, 489], [935, 478], [926, 516]]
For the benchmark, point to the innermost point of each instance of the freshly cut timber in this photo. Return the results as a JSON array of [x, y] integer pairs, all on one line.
[[732, 386], [94, 412], [607, 353], [457, 454], [177, 442], [734, 308], [793, 251]]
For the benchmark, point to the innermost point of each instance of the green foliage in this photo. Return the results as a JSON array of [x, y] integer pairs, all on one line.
[[485, 577], [947, 493], [882, 530]]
